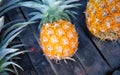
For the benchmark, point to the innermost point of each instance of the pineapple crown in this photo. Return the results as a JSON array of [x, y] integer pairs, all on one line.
[[5, 38], [51, 10]]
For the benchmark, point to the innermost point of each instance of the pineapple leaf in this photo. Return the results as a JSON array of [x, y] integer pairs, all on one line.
[[51, 10], [65, 15], [64, 7], [69, 1], [35, 5], [34, 13], [1, 23], [4, 52], [10, 70], [10, 37], [38, 1], [10, 63], [7, 9], [37, 16], [15, 54], [8, 25], [10, 3], [50, 18], [48, 2], [20, 25], [71, 13], [19, 45]]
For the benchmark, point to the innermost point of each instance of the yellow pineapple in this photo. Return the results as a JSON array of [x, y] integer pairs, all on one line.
[[103, 18], [58, 36], [58, 39]]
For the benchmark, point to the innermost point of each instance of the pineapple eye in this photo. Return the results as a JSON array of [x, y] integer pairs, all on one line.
[[44, 39], [105, 13], [59, 48], [73, 45], [113, 9], [49, 47], [54, 39], [108, 23], [102, 5], [56, 25], [94, 30], [97, 20], [50, 32], [116, 29], [60, 32], [65, 41], [110, 1], [66, 26], [70, 34], [117, 19]]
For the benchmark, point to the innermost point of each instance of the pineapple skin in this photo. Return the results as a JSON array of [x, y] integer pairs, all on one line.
[[103, 18], [58, 40]]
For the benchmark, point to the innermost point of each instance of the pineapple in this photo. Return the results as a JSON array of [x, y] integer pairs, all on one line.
[[103, 18], [6, 53], [58, 36]]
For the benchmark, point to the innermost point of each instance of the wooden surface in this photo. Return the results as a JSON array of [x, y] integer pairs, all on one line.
[[92, 58]]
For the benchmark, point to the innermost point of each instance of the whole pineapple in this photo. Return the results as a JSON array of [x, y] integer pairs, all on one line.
[[58, 36], [103, 18]]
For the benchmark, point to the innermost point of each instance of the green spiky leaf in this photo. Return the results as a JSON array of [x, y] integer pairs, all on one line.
[[4, 52], [10, 63], [51, 10], [18, 27], [8, 4], [1, 23]]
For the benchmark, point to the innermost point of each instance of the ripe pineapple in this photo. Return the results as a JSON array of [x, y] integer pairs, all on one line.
[[8, 53], [58, 36], [103, 18]]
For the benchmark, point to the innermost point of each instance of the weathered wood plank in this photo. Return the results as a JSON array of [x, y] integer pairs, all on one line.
[[36, 57], [109, 50]]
